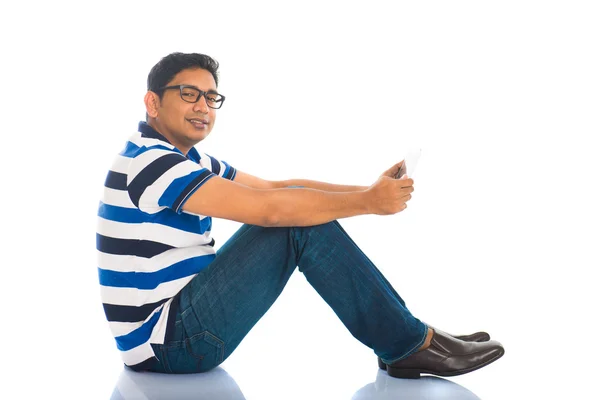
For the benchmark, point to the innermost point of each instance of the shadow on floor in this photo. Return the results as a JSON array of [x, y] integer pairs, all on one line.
[[215, 384], [426, 388]]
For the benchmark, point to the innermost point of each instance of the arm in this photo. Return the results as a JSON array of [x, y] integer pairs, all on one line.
[[308, 207], [328, 187], [253, 181], [258, 183], [222, 198]]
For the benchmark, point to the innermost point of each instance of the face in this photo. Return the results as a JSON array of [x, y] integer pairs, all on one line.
[[183, 124]]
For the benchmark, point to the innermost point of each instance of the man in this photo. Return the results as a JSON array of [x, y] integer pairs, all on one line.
[[174, 305]]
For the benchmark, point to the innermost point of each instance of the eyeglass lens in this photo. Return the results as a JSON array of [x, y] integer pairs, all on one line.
[[192, 95]]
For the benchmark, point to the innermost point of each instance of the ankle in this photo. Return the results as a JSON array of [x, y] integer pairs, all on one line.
[[427, 339]]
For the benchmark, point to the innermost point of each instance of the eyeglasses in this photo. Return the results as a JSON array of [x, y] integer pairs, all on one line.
[[192, 94]]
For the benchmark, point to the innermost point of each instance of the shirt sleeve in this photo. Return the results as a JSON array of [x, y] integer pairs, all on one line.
[[218, 167], [159, 179]]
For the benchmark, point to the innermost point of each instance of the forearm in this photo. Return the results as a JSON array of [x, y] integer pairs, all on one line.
[[327, 187], [308, 207]]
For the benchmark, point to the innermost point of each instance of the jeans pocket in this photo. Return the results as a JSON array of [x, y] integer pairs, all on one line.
[[199, 353]]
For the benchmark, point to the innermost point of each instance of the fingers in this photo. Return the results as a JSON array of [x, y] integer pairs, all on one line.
[[406, 190], [401, 173], [406, 198], [405, 182], [404, 201]]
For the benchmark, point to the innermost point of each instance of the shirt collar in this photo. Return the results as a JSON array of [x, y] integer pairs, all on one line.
[[149, 132]]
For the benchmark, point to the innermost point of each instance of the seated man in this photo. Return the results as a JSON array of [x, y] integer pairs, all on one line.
[[174, 305]]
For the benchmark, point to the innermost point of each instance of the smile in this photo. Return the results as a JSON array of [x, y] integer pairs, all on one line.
[[198, 123]]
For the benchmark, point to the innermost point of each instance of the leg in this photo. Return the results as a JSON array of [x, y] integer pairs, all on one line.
[[379, 274], [360, 295], [224, 301]]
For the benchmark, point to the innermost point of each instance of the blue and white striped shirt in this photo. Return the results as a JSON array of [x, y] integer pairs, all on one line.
[[148, 247]]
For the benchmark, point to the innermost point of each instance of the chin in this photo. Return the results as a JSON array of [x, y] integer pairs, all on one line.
[[198, 136]]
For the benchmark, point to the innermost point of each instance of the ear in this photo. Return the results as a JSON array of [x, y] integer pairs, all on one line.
[[152, 104]]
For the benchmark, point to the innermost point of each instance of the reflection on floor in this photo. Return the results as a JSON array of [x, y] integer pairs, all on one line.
[[425, 388], [217, 384]]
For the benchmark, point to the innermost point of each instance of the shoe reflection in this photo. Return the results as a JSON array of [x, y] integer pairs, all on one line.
[[215, 384], [425, 388]]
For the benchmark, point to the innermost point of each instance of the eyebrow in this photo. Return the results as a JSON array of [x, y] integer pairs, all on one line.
[[196, 87]]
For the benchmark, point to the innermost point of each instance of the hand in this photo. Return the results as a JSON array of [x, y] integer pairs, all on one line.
[[393, 171], [389, 195]]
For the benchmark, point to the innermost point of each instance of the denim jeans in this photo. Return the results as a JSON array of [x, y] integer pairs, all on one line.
[[221, 304]]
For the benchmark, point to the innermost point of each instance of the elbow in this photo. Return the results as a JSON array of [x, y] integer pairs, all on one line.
[[270, 222], [278, 211], [272, 219], [270, 211]]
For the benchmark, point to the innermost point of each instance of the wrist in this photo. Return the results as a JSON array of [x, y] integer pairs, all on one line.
[[364, 201]]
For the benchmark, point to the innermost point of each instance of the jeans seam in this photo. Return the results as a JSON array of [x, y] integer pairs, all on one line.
[[387, 286], [209, 334], [164, 360], [360, 277], [357, 273]]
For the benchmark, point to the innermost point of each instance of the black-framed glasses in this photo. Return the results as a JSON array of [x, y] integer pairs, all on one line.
[[192, 94]]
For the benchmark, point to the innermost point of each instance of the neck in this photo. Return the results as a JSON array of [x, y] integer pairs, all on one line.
[[156, 125]]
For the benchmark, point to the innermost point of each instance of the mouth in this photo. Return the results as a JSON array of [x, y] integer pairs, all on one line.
[[198, 123]]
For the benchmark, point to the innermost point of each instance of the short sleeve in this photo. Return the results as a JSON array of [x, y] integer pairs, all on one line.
[[159, 179], [217, 167]]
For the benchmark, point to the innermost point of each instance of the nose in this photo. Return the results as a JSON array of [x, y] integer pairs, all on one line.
[[201, 105]]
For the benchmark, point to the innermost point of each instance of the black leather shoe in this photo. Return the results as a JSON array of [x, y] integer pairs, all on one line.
[[446, 356], [474, 337]]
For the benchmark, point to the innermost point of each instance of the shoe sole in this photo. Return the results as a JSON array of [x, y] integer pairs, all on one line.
[[416, 373]]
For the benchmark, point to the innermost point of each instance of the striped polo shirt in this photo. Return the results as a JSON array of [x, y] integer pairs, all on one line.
[[149, 248]]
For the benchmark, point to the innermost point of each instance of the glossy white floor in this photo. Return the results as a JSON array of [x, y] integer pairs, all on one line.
[[220, 385]]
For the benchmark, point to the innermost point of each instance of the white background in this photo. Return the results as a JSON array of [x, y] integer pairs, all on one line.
[[501, 234]]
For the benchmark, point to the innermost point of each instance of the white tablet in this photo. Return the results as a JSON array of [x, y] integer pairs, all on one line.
[[410, 163]]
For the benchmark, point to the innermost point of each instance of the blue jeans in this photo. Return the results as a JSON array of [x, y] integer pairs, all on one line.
[[224, 301]]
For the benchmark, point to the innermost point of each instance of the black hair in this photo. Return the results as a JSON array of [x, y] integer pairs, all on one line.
[[166, 69]]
